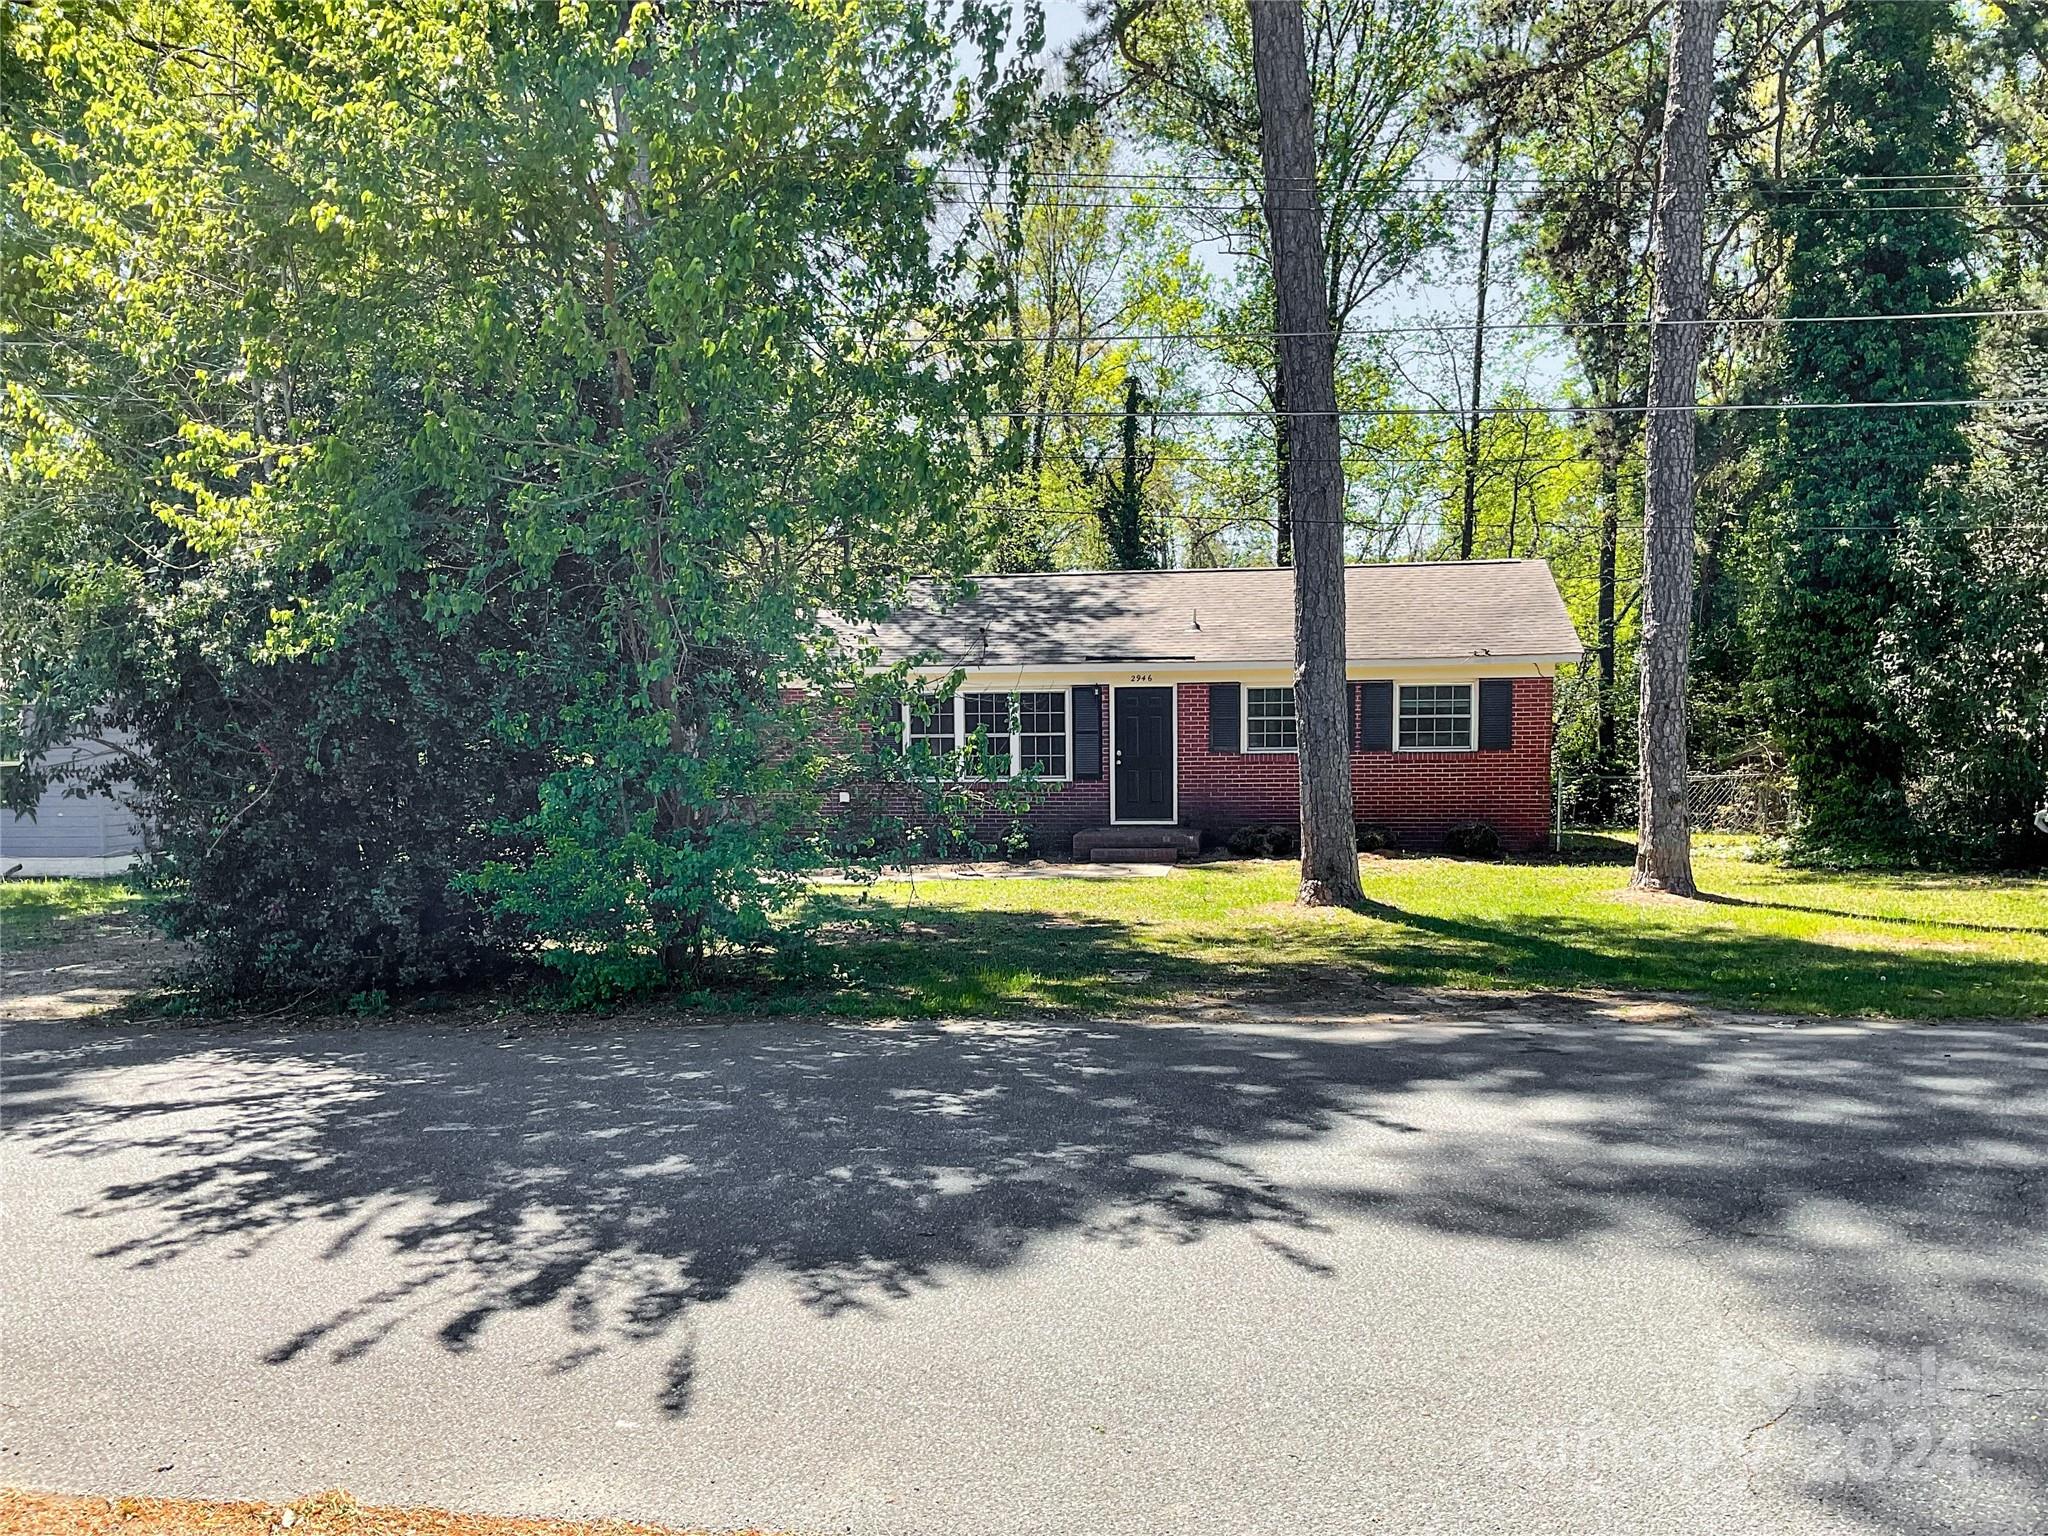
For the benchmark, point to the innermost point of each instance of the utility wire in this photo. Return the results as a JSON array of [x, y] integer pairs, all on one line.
[[1570, 409], [1424, 328]]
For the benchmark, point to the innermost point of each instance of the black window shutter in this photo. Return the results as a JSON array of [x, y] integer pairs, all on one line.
[[1496, 714], [1351, 703], [1376, 717], [1226, 715], [1087, 709]]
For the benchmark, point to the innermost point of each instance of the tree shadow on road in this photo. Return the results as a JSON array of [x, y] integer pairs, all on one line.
[[1877, 1189]]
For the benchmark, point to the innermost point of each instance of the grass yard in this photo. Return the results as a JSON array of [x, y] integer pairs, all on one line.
[[1893, 944], [34, 912], [1902, 945]]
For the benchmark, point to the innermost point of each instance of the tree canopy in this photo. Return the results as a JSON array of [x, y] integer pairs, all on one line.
[[435, 440]]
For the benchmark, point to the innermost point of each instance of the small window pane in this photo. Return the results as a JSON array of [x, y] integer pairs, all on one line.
[[931, 724], [1042, 733], [988, 729], [1436, 718], [1269, 720]]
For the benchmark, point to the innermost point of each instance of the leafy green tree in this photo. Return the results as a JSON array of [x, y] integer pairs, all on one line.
[[1593, 145], [1862, 485], [2008, 71], [592, 324], [1091, 262], [1378, 73], [1965, 656], [1533, 486]]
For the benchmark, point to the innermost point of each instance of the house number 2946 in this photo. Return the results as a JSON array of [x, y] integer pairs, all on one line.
[[1141, 677]]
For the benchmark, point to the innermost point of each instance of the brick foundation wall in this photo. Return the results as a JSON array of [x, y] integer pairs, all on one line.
[[1418, 795]]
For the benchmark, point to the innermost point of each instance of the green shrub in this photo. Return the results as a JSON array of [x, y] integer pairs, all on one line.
[[312, 817], [1272, 840], [1373, 838], [1472, 840]]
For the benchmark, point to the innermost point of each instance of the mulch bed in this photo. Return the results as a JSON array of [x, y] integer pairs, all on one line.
[[26, 1513]]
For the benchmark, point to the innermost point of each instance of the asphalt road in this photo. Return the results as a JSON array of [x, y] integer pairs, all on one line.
[[1426, 1267]]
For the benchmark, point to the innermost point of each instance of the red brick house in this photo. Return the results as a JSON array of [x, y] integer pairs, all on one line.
[[1148, 701]]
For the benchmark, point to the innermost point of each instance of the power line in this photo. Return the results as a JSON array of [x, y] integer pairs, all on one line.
[[1954, 193], [1251, 191], [1248, 171], [1579, 410], [1419, 328], [1427, 522], [1424, 328], [1248, 210]]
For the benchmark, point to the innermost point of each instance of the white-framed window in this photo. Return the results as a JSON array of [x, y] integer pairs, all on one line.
[[933, 722], [1013, 731], [1042, 733], [985, 728], [1435, 717], [1269, 720]]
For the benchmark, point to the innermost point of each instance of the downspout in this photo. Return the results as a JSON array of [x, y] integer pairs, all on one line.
[[1556, 783]]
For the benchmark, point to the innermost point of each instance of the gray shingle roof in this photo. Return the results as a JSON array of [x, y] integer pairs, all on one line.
[[1415, 612]]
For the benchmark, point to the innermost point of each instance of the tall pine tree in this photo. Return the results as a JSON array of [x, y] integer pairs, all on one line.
[[1868, 233]]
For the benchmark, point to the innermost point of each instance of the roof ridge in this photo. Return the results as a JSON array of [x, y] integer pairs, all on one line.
[[1227, 570]]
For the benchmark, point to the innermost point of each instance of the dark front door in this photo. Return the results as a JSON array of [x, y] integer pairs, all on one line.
[[1144, 754]]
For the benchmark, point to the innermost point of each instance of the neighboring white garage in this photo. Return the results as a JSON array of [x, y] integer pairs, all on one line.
[[67, 834]]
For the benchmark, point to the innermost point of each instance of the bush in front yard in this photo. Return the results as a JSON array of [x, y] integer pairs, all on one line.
[[313, 816], [1472, 840], [1274, 840], [1373, 838]]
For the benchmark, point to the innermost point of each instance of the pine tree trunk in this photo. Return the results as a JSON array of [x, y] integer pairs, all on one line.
[[1283, 520], [1607, 450], [1123, 512], [1677, 308], [1468, 527], [1315, 475]]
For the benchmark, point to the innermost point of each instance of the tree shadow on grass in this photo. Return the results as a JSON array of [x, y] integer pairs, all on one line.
[[1739, 967], [1854, 915], [939, 961], [1875, 1189]]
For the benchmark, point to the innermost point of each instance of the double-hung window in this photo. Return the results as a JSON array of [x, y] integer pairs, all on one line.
[[1269, 720], [986, 730], [1435, 717], [1042, 734], [1004, 734], [932, 724]]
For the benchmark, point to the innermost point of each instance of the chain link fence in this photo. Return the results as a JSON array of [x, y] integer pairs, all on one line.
[[1599, 814]]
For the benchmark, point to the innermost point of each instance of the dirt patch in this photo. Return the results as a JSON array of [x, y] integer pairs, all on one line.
[[989, 869], [1290, 911], [1629, 896], [1846, 938], [25, 1513], [101, 964]]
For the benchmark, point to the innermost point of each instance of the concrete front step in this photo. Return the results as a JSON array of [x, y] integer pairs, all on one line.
[[1176, 839], [1133, 855]]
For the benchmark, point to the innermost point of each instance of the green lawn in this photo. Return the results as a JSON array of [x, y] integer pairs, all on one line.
[[1798, 941], [41, 911], [1905, 945]]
